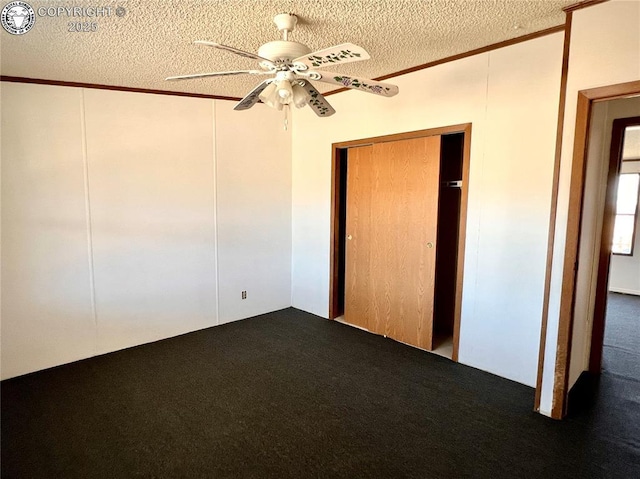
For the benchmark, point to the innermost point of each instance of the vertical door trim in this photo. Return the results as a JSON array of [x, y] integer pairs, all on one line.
[[335, 249], [462, 240]]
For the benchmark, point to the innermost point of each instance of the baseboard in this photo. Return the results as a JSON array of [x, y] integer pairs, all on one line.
[[624, 291]]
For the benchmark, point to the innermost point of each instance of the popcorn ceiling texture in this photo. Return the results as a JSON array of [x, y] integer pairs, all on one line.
[[153, 40]]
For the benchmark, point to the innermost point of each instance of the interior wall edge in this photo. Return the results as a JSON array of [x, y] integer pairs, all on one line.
[[552, 216]]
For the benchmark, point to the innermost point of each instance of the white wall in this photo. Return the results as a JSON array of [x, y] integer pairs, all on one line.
[[254, 211], [604, 50], [47, 314], [131, 217], [151, 183], [510, 96]]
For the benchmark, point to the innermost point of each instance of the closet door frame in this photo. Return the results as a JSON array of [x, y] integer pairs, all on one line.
[[338, 193]]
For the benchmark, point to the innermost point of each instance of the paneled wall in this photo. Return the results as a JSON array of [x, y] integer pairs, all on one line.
[[511, 98], [128, 218], [254, 211], [151, 197], [47, 310]]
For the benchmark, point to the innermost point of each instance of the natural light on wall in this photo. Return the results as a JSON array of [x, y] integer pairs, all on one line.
[[626, 211]]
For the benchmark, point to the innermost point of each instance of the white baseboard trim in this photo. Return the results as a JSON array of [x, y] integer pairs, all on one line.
[[624, 291]]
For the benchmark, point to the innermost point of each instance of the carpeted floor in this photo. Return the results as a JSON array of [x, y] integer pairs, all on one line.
[[288, 394], [621, 355]]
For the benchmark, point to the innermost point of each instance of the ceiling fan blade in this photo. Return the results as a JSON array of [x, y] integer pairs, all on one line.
[[227, 48], [362, 84], [317, 102], [216, 74], [336, 55], [253, 97]]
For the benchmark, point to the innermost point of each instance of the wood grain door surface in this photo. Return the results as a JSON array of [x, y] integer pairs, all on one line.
[[391, 226]]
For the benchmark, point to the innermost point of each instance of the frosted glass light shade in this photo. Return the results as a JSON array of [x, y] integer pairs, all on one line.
[[285, 92], [269, 96], [300, 96]]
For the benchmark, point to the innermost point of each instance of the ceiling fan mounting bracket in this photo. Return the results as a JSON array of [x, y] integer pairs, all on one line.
[[285, 22]]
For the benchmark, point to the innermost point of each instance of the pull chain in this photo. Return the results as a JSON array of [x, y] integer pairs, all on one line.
[[286, 117]]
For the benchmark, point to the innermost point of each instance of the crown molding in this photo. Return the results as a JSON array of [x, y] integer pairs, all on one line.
[[581, 5], [459, 56], [40, 81]]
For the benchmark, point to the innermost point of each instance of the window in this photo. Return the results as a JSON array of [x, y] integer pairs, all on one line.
[[626, 212]]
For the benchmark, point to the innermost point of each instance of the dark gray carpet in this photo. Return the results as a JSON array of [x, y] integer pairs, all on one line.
[[288, 394], [621, 354]]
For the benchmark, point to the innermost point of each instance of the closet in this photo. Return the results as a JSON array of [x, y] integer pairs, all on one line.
[[449, 203], [398, 211]]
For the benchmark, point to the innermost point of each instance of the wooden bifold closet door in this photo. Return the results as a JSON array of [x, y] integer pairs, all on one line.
[[391, 227]]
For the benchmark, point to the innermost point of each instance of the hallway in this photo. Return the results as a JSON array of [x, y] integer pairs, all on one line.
[[621, 354], [612, 405]]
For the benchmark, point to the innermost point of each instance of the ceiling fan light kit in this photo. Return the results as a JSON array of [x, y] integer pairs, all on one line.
[[293, 66]]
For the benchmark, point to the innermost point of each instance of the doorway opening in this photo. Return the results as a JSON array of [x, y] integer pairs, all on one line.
[[622, 325], [619, 261], [605, 359], [584, 283], [441, 253]]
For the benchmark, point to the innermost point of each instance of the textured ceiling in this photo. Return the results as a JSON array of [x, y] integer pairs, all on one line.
[[153, 39]]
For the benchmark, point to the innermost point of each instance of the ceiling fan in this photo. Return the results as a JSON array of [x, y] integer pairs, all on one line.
[[291, 66]]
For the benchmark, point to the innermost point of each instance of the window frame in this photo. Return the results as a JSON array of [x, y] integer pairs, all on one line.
[[635, 216]]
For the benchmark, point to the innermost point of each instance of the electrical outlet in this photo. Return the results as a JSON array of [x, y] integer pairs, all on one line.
[[244, 295]]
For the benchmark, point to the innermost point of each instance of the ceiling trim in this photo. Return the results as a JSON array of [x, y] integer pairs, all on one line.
[[95, 86], [459, 56], [583, 4]]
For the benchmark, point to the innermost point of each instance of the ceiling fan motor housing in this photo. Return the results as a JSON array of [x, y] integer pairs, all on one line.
[[280, 50]]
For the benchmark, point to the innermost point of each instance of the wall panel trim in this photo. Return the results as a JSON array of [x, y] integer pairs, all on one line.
[[554, 207]]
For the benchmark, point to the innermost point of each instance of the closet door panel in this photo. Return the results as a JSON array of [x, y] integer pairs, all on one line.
[[411, 169], [358, 287], [392, 211]]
